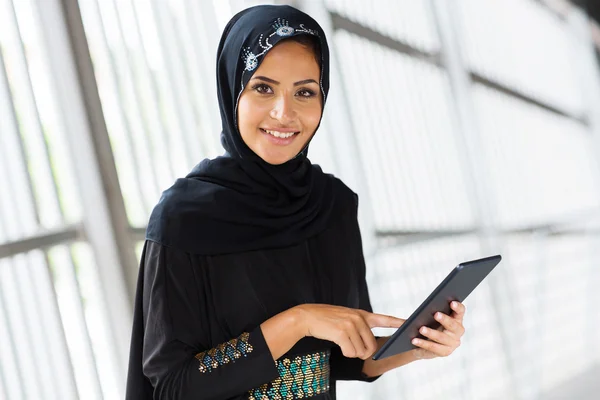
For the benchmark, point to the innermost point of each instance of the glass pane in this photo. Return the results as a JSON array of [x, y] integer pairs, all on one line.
[[550, 283], [525, 46], [542, 165], [401, 115], [34, 327], [40, 293], [154, 79]]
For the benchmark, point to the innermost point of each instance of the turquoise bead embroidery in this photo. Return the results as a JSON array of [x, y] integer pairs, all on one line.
[[224, 353], [300, 377]]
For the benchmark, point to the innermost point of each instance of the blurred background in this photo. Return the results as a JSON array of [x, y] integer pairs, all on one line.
[[468, 128]]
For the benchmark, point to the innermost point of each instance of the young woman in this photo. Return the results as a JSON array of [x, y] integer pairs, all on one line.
[[252, 281]]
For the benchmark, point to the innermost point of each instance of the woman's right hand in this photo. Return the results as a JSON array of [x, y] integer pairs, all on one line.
[[349, 328]]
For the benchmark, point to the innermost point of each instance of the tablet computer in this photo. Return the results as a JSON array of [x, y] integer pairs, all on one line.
[[456, 286]]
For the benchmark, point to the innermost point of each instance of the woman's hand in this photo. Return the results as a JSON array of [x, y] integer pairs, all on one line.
[[443, 341], [349, 328]]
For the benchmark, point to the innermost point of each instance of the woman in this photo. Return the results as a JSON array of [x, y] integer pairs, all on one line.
[[252, 281]]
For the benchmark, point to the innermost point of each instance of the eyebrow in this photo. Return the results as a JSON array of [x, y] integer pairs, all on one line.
[[273, 81]]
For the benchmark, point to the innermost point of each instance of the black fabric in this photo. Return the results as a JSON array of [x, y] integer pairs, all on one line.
[[192, 303], [239, 202]]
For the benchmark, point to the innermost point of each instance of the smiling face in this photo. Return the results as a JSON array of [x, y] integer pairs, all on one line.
[[280, 107]]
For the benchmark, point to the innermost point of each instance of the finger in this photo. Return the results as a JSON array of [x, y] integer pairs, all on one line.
[[346, 345], [357, 342], [436, 348], [439, 337], [382, 321], [451, 324], [459, 310], [351, 330], [369, 340]]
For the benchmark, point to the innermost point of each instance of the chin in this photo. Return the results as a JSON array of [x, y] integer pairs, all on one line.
[[275, 160], [276, 156]]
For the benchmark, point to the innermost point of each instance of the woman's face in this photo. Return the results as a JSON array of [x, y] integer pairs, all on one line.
[[280, 107]]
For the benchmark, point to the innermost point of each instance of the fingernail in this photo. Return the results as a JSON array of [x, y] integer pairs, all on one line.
[[415, 341], [454, 304], [423, 330]]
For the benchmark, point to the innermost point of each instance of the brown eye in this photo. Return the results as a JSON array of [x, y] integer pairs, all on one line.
[[306, 93], [262, 88]]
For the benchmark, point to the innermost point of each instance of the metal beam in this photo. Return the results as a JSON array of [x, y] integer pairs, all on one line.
[[475, 170], [477, 78], [394, 234], [588, 71], [138, 234], [104, 218], [42, 241], [99, 140], [390, 239]]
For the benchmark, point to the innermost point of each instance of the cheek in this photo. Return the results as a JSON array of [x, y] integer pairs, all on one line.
[[312, 117], [249, 115], [244, 112]]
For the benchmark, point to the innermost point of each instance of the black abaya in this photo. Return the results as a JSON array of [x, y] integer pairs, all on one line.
[[193, 303]]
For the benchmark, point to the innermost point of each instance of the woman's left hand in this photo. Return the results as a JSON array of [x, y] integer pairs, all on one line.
[[443, 341]]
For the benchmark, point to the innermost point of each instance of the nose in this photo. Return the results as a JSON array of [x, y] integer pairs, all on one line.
[[283, 110]]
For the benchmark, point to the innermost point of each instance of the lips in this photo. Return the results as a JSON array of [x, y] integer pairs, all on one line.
[[279, 134], [279, 138]]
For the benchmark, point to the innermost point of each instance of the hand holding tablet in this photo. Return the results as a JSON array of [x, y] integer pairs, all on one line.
[[444, 340], [461, 281]]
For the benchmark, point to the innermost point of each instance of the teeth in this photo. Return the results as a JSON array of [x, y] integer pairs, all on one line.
[[280, 134]]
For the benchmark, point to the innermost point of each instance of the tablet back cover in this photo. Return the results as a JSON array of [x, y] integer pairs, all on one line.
[[461, 281]]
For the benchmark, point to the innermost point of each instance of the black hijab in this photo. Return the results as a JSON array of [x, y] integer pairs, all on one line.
[[238, 202]]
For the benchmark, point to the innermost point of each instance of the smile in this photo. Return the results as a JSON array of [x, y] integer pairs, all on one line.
[[277, 134]]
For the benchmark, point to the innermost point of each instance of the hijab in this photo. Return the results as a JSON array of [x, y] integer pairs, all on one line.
[[239, 202]]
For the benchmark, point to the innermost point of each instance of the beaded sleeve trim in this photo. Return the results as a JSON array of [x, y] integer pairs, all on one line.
[[224, 353], [300, 377]]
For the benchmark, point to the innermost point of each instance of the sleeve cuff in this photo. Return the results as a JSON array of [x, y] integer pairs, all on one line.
[[263, 366], [351, 370]]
